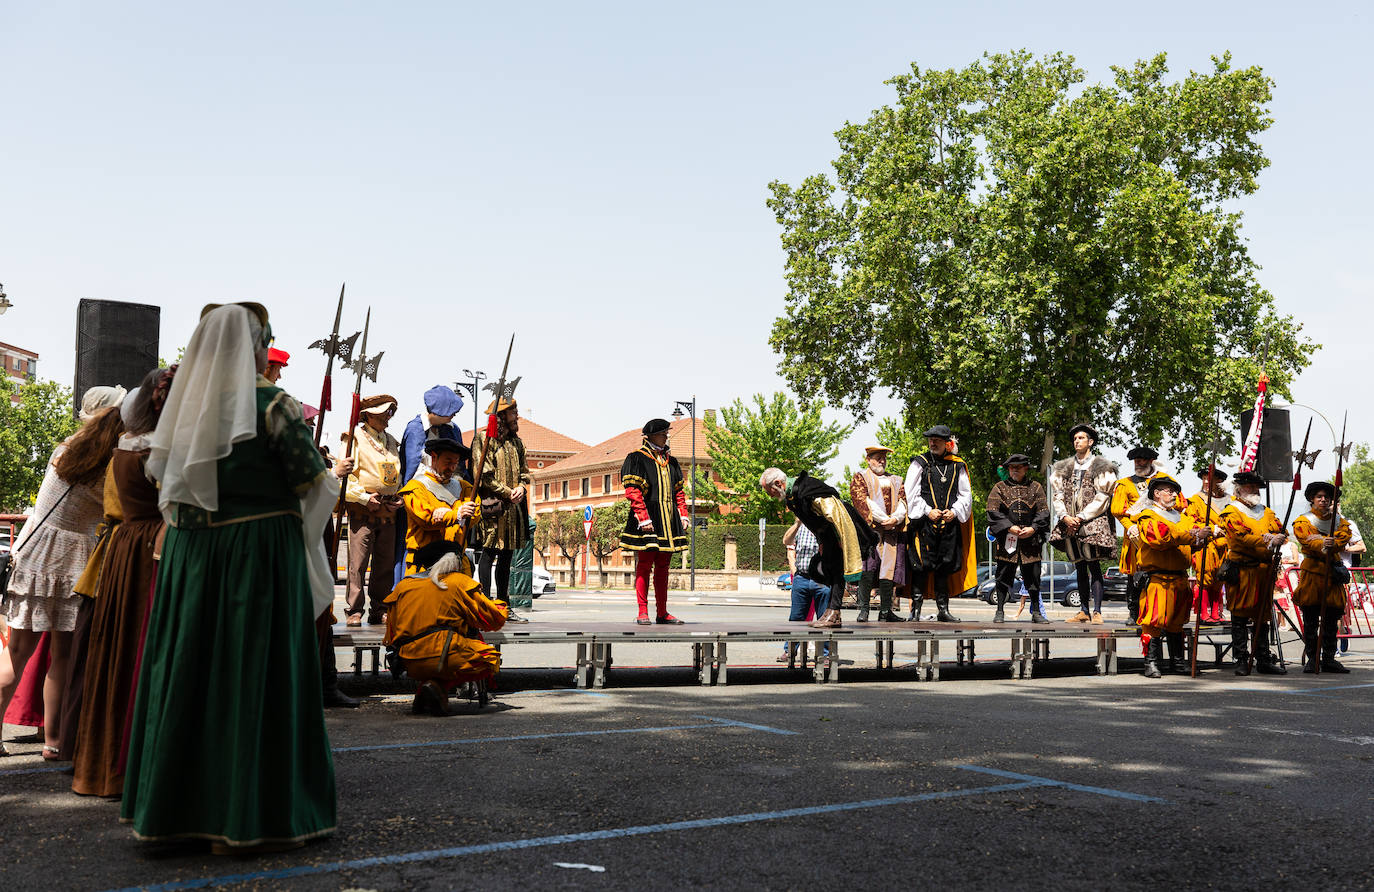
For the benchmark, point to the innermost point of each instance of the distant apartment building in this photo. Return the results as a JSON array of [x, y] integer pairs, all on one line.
[[543, 446], [19, 364]]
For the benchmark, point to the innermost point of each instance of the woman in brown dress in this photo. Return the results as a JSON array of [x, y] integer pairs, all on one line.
[[122, 601]]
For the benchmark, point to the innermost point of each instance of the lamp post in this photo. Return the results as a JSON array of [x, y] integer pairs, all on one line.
[[4, 301], [691, 407], [471, 387]]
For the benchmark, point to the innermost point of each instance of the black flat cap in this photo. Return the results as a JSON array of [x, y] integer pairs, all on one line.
[[1250, 478], [432, 553], [1017, 458], [1087, 428], [1317, 487], [443, 444], [1218, 473], [1143, 453], [940, 430], [1160, 480], [656, 426]]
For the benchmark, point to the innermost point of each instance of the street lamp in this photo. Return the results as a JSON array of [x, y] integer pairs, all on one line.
[[471, 388], [691, 407], [4, 301]]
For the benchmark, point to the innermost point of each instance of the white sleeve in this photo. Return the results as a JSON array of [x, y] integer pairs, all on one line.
[[916, 507], [963, 504], [316, 506]]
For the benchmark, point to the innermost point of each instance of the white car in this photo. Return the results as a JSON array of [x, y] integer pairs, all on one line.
[[541, 583]]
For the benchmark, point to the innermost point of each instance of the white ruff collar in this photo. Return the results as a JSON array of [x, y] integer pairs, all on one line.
[[448, 493]]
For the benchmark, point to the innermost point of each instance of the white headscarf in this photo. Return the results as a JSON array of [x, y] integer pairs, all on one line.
[[99, 398], [212, 405]]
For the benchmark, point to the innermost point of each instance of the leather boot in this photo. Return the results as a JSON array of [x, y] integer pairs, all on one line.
[[944, 616], [1330, 630], [828, 620], [915, 615], [329, 670], [1177, 661], [885, 614], [1240, 644], [1265, 661], [865, 597], [1000, 616], [1150, 646], [1309, 647]]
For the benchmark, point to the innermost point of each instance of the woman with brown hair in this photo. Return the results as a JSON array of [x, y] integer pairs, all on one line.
[[51, 552], [122, 600]]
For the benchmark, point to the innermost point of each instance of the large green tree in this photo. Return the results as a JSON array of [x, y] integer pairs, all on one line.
[[772, 433], [29, 431], [1357, 495], [1010, 250]]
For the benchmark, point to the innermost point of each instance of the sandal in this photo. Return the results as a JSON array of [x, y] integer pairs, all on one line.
[[642, 620], [52, 754]]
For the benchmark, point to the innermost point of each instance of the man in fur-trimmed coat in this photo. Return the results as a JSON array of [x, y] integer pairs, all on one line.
[[1082, 492]]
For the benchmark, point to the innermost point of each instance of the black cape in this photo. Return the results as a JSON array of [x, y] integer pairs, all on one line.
[[828, 565]]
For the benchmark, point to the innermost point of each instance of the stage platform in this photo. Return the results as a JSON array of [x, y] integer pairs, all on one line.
[[818, 648]]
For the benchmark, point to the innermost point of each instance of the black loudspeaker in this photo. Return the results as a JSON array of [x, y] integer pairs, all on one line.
[[1275, 462], [116, 343]]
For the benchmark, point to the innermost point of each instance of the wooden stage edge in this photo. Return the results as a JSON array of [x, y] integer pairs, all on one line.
[[710, 643]]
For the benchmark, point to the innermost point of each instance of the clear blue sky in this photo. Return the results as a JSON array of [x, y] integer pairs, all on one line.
[[592, 176]]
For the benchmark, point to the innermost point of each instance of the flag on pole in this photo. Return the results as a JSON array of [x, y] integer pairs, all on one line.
[[1250, 454]]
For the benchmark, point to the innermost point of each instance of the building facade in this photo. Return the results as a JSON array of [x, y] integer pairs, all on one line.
[[19, 365]]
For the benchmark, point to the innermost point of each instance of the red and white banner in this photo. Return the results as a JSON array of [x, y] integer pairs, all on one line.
[[1250, 454]]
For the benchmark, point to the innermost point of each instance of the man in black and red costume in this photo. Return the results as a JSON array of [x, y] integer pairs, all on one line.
[[939, 509], [657, 525]]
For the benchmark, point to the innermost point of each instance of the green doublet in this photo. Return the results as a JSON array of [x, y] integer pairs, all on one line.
[[228, 739]]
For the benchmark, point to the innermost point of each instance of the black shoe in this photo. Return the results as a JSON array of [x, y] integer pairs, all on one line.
[[1153, 654], [668, 619], [944, 615], [1265, 664], [887, 616], [999, 616], [863, 615], [1039, 618], [1331, 664], [335, 697], [1177, 661], [915, 615]]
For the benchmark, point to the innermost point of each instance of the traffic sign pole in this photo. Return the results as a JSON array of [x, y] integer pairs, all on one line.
[[587, 532]]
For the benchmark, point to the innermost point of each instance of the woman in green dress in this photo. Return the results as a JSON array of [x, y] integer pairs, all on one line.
[[228, 741]]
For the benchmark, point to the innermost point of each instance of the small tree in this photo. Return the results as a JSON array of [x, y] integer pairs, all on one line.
[[607, 524], [543, 539], [772, 433], [1357, 494], [565, 531], [29, 431]]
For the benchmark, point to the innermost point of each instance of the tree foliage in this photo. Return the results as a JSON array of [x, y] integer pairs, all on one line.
[[1357, 494], [771, 433], [1010, 251], [608, 521], [29, 431]]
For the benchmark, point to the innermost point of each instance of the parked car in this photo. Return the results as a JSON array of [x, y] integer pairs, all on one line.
[[1065, 585], [785, 582], [541, 583]]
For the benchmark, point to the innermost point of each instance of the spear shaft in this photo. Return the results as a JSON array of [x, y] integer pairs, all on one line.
[[329, 368], [1263, 616], [352, 428], [1207, 544], [1335, 555]]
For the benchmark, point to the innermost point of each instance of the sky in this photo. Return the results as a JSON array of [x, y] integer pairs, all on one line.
[[591, 177]]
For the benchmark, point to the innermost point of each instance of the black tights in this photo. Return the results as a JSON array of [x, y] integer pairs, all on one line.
[[1089, 585], [502, 559]]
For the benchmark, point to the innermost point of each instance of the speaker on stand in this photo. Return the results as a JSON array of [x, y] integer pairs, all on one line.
[[116, 343]]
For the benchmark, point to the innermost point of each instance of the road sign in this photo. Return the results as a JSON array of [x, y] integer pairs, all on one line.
[[587, 528], [987, 531], [587, 514], [762, 524]]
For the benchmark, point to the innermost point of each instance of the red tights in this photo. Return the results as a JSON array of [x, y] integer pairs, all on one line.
[[657, 563]]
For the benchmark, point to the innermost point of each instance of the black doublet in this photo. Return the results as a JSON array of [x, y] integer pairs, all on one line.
[[937, 546]]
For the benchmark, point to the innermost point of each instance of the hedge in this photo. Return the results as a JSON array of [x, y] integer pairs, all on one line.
[[711, 546]]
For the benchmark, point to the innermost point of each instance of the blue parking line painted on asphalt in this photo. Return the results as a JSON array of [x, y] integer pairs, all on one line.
[[736, 724], [588, 836], [551, 736], [1051, 782]]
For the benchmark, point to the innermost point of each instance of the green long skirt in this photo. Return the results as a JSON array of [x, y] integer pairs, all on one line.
[[228, 739]]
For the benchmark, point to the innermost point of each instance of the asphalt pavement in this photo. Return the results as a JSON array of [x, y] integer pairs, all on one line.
[[1065, 781]]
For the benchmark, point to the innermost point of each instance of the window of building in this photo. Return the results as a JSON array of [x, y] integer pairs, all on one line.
[[606, 483], [565, 489], [586, 486], [546, 492]]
